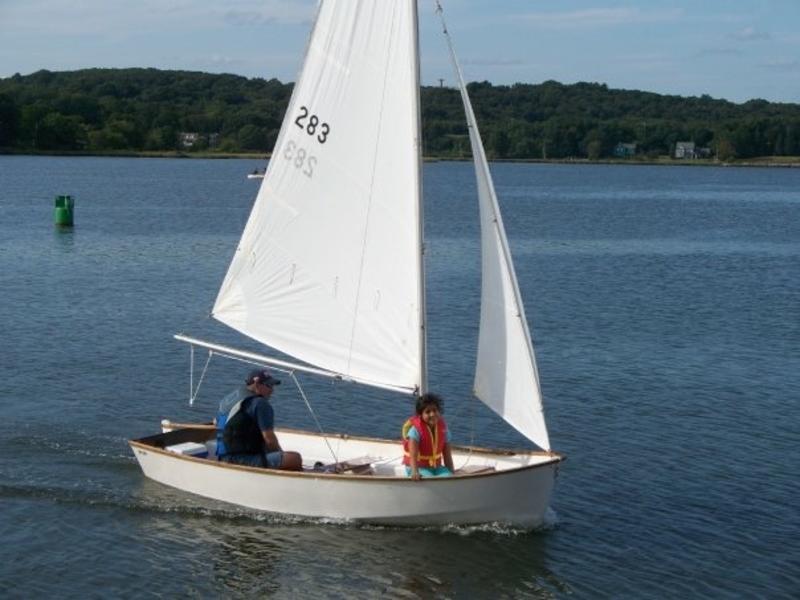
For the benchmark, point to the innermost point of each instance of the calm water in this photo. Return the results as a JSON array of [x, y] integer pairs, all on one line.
[[665, 307]]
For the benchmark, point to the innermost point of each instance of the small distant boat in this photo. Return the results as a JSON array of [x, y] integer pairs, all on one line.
[[329, 271], [256, 175]]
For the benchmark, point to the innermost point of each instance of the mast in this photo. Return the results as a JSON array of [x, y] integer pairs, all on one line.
[[423, 367]]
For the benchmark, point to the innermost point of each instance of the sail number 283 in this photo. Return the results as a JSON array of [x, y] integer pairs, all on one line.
[[295, 153], [311, 125]]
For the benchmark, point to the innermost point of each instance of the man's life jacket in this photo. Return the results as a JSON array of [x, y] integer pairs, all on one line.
[[225, 406], [238, 432], [431, 447]]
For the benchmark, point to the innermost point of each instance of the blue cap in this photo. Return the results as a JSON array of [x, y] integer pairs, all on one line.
[[261, 376]]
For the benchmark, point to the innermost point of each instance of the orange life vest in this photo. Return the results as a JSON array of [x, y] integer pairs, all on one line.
[[431, 447]]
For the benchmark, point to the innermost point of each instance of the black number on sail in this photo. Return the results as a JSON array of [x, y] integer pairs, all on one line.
[[324, 133], [299, 120], [312, 125]]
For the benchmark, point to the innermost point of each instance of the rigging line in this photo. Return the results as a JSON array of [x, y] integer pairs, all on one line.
[[287, 371], [472, 405], [251, 362], [193, 397], [313, 415], [191, 373], [497, 221], [440, 12], [471, 416], [479, 157], [248, 362]]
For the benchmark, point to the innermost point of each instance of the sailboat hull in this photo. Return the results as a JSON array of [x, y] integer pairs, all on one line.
[[505, 487]]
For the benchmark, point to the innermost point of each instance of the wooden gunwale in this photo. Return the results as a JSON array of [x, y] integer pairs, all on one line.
[[156, 443]]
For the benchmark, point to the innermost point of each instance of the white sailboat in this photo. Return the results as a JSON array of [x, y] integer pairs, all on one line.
[[329, 270]]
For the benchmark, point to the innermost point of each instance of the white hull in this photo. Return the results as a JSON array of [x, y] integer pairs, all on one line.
[[255, 176], [512, 488]]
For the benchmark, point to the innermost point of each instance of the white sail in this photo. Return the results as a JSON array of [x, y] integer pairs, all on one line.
[[329, 267], [329, 270], [506, 378]]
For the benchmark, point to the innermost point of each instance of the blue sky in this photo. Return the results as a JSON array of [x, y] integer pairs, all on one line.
[[732, 49]]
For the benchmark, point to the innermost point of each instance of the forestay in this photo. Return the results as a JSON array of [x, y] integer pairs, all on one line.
[[329, 267], [506, 378]]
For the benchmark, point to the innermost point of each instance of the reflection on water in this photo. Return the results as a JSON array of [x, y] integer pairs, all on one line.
[[241, 553], [248, 561], [244, 555], [64, 235]]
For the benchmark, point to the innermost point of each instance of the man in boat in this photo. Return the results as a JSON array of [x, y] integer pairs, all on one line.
[[245, 427], [426, 440]]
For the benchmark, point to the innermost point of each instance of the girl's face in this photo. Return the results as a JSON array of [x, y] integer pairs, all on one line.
[[430, 415]]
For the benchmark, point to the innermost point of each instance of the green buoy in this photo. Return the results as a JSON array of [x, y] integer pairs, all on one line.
[[65, 209]]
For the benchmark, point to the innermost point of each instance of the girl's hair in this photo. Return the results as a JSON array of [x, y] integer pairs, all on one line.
[[427, 400]]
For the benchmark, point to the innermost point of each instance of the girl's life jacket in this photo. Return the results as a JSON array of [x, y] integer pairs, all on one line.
[[431, 444]]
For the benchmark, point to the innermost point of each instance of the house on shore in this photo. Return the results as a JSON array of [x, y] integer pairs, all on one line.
[[684, 150], [190, 139], [623, 150], [690, 150], [187, 139]]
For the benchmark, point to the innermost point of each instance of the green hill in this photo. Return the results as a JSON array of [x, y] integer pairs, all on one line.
[[107, 110]]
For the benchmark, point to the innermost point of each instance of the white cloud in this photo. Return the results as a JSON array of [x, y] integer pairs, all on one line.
[[115, 18], [750, 34], [719, 51], [494, 62], [597, 17], [782, 65], [276, 11]]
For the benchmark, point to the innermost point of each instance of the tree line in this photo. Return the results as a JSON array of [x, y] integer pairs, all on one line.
[[106, 110]]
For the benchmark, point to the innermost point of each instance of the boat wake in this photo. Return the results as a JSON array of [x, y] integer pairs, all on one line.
[[68, 443]]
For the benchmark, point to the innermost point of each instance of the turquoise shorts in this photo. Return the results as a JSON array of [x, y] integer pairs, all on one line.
[[435, 472]]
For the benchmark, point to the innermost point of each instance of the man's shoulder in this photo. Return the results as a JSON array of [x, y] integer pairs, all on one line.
[[261, 411], [259, 404], [232, 398]]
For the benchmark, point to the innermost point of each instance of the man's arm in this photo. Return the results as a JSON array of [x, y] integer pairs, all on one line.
[[271, 440], [265, 417]]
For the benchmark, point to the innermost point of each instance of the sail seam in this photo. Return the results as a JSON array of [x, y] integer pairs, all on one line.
[[368, 215]]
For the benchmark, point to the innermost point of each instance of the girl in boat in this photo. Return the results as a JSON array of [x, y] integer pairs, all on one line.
[[426, 440]]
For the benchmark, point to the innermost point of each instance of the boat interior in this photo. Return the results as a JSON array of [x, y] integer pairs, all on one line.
[[342, 454]]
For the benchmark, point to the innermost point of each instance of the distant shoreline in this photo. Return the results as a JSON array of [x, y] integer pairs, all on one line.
[[761, 161]]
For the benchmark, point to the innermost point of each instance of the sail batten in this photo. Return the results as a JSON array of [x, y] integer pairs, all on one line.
[[338, 205], [506, 376]]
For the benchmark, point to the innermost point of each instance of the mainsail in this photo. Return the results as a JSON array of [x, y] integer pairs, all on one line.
[[329, 267], [506, 378]]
